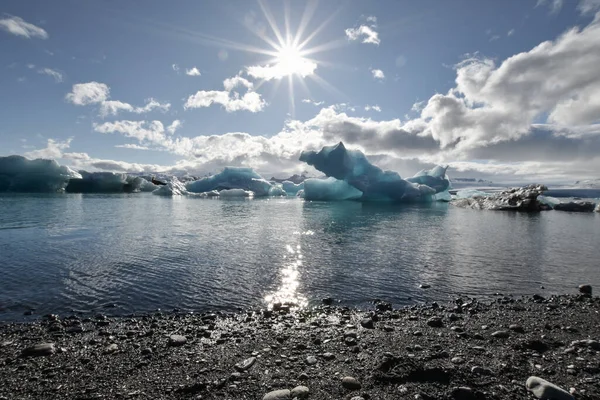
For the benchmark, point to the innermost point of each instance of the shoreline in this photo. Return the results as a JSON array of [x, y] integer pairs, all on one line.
[[464, 349]]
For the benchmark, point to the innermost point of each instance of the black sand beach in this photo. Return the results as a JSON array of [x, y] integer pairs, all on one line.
[[462, 350]]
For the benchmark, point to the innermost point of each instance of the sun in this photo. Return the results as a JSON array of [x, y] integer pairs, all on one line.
[[290, 61]]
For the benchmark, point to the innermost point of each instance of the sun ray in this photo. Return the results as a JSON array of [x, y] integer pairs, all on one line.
[[286, 20], [328, 86], [334, 44], [319, 29], [271, 21], [307, 15], [292, 100]]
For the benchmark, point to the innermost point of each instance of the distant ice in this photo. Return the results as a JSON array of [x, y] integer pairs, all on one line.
[[19, 174], [232, 178], [330, 189], [172, 188], [108, 182]]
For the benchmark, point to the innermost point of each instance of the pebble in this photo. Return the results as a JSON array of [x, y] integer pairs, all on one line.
[[367, 323], [278, 395], [357, 398], [457, 360], [585, 289], [542, 389], [246, 364], [435, 322], [177, 340], [328, 356], [311, 360], [516, 328], [300, 392], [424, 286], [481, 371], [351, 383], [111, 348], [42, 349], [501, 334]]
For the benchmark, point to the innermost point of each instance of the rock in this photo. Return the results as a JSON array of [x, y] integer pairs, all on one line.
[[327, 301], [111, 348], [311, 360], [177, 340], [39, 350], [516, 328], [424, 286], [517, 199], [300, 392], [246, 364], [585, 289], [457, 360], [481, 371], [435, 322], [351, 383], [278, 395], [367, 323], [501, 334], [543, 389], [463, 393], [328, 356], [357, 398]]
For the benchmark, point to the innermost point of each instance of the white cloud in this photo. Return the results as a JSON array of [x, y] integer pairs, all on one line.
[[88, 93], [52, 150], [378, 74], [58, 77], [232, 101], [193, 72], [133, 146], [175, 67], [364, 32], [18, 27], [494, 37], [588, 6], [113, 107], [314, 103], [374, 108], [510, 33], [153, 132], [301, 67], [555, 5], [372, 19], [174, 126]]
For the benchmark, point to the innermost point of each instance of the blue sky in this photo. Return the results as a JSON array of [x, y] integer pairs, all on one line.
[[187, 86]]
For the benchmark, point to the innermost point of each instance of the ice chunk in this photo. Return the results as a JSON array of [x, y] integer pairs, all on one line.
[[232, 178], [329, 189], [468, 193], [548, 200], [20, 174], [108, 182], [291, 188], [518, 199], [353, 167], [235, 193], [172, 188], [212, 193], [277, 190]]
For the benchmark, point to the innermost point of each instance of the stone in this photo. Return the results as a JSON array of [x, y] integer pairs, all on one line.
[[39, 350], [542, 389], [246, 364], [424, 286], [300, 392], [357, 398], [328, 356], [351, 383], [501, 334], [481, 371], [278, 395], [585, 289], [457, 360], [463, 393], [327, 301], [111, 348], [177, 340], [367, 323], [516, 328], [311, 360], [435, 322]]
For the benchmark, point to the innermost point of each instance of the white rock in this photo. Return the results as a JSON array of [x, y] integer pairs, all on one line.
[[542, 389], [282, 394]]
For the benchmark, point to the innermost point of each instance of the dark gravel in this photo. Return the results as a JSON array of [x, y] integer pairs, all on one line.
[[428, 352]]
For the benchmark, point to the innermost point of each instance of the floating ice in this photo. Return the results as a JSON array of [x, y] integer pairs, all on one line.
[[374, 184], [468, 193], [518, 199], [20, 174], [277, 190], [232, 178], [235, 193], [330, 189], [172, 188], [291, 188], [108, 182]]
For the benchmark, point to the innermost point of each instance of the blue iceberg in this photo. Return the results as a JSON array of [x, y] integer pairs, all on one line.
[[108, 182], [232, 178], [292, 189], [373, 183], [20, 174]]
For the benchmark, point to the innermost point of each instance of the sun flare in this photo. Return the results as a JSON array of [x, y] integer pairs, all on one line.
[[289, 60]]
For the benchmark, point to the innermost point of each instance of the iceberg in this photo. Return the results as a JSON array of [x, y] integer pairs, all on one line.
[[172, 188], [374, 184], [291, 188], [517, 199], [330, 189], [469, 193], [277, 190], [108, 182], [232, 193], [20, 174], [232, 178]]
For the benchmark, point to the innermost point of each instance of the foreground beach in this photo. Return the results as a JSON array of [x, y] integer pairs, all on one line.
[[462, 350]]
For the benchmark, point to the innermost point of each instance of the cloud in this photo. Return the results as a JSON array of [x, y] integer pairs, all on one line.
[[133, 146], [555, 5], [193, 72], [364, 32], [174, 126], [18, 27], [314, 103], [58, 77], [378, 74], [52, 150], [588, 6], [175, 67], [510, 33], [84, 94], [89, 93], [494, 37], [374, 108], [300, 66], [232, 101], [372, 19]]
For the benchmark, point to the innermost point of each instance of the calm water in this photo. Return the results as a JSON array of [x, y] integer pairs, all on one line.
[[142, 252]]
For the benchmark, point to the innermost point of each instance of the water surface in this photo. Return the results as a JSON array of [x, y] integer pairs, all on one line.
[[141, 252]]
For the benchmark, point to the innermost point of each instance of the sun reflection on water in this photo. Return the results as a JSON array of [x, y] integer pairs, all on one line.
[[287, 292]]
